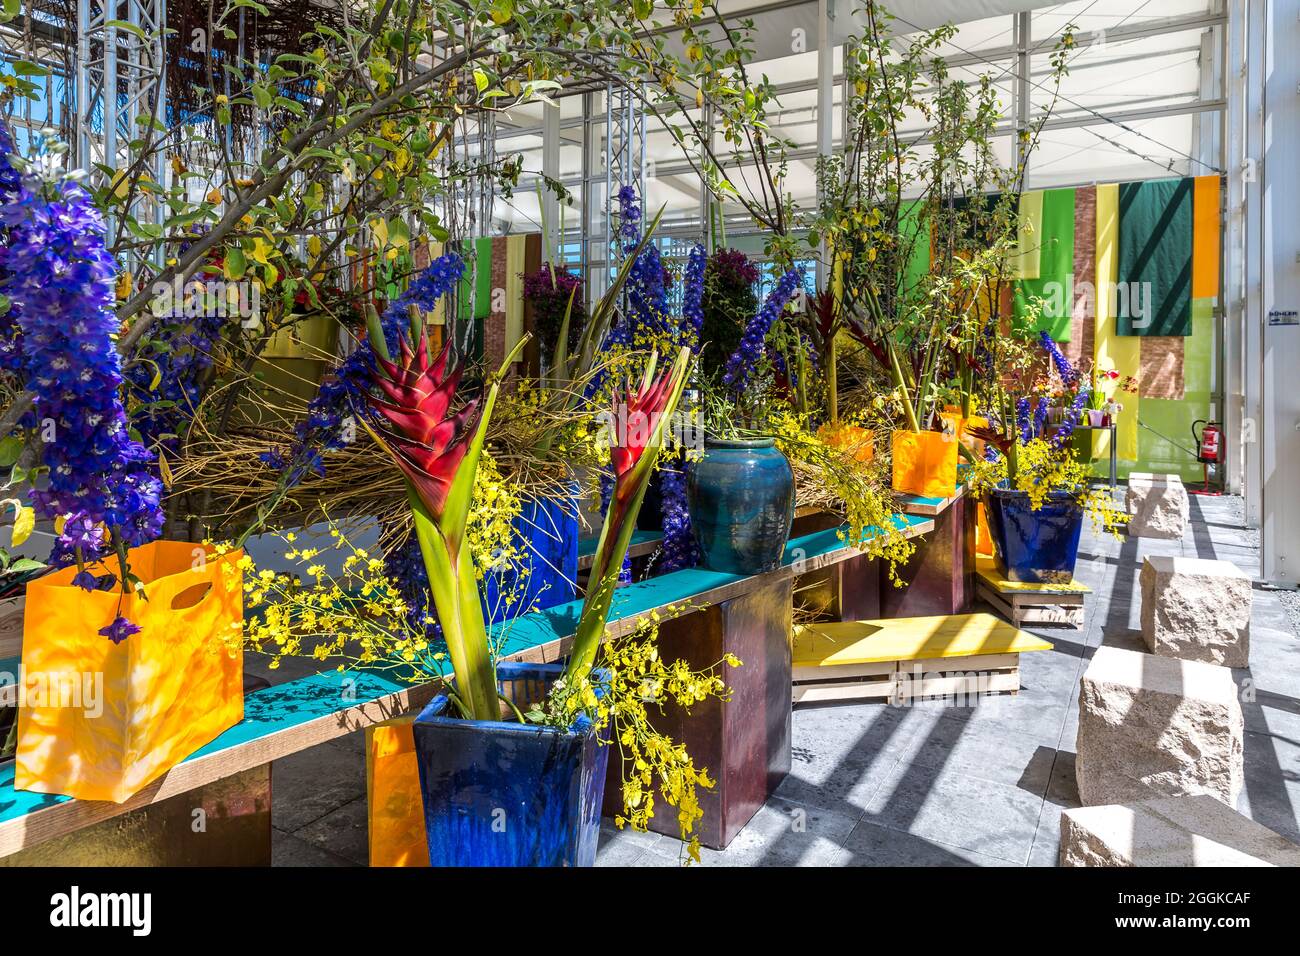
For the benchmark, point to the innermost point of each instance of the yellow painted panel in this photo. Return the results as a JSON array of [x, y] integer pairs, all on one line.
[[1119, 352], [909, 638], [1029, 242], [514, 290], [439, 310], [988, 570]]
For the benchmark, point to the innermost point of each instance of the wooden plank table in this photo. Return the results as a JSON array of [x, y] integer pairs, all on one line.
[[904, 658], [298, 714], [1023, 603]]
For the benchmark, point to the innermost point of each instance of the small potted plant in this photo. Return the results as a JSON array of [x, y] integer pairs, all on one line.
[[740, 491], [1037, 493], [511, 758]]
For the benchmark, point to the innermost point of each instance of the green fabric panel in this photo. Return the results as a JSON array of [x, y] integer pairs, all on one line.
[[483, 278], [1165, 444], [911, 224], [1055, 282], [1155, 258]]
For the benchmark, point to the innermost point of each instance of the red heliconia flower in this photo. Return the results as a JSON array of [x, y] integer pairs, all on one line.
[[427, 443], [644, 407]]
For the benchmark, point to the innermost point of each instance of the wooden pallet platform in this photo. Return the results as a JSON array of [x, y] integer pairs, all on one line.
[[1022, 603], [899, 659]]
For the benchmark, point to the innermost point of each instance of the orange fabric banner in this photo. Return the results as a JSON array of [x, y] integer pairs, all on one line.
[[1206, 232]]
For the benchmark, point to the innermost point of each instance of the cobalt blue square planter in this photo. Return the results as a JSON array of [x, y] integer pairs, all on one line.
[[510, 794], [1035, 547], [548, 532]]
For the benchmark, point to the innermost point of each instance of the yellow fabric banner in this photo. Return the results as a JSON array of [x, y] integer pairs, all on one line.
[[1113, 351], [1029, 243]]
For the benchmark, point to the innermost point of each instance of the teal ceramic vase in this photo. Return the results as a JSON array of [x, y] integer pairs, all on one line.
[[741, 500]]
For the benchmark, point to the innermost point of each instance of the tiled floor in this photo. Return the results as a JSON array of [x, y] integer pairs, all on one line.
[[927, 785]]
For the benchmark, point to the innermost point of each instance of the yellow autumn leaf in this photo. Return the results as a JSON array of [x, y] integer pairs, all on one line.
[[214, 196], [314, 246], [24, 524], [164, 469]]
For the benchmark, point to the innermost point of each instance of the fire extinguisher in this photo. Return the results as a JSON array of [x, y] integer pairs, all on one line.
[[1209, 447]]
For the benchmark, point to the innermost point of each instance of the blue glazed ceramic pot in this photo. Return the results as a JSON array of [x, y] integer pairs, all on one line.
[[547, 530], [1035, 547], [741, 501], [510, 794]]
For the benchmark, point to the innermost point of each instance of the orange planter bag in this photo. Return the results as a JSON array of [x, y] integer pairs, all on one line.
[[925, 464], [394, 805], [100, 721], [861, 442], [983, 540]]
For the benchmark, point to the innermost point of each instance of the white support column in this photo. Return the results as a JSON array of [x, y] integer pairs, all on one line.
[[825, 103], [550, 210], [1233, 328], [1022, 30], [1273, 328], [1250, 178]]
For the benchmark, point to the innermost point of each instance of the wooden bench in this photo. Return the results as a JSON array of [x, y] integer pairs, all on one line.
[[302, 713], [643, 543], [1022, 603], [903, 658]]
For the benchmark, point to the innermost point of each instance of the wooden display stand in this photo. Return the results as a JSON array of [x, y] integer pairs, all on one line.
[[900, 659], [1031, 603]]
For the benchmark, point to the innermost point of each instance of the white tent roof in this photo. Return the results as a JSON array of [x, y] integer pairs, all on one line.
[[1142, 98]]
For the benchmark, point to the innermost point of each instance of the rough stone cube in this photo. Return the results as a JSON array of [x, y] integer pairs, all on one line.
[[1157, 726], [1196, 609], [1172, 831], [1157, 506]]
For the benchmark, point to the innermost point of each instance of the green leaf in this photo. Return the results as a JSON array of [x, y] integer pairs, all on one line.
[[480, 80], [128, 27], [10, 449], [10, 10], [236, 263]]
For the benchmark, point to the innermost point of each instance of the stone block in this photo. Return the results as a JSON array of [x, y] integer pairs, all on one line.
[[1172, 831], [1157, 506], [1157, 726], [1196, 609]]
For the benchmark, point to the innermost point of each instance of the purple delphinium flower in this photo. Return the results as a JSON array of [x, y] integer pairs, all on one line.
[[744, 360], [1040, 416], [1022, 418], [119, 630], [11, 333], [86, 581], [693, 295], [629, 214], [1069, 374], [62, 278], [1072, 416], [679, 548]]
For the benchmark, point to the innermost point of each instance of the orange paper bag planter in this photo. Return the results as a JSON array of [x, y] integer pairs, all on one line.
[[983, 540], [394, 805], [853, 439], [925, 464], [100, 721]]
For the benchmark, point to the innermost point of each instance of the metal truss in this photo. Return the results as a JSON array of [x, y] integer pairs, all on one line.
[[120, 79]]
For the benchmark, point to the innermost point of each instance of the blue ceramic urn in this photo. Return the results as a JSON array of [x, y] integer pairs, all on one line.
[[1035, 546], [741, 500]]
